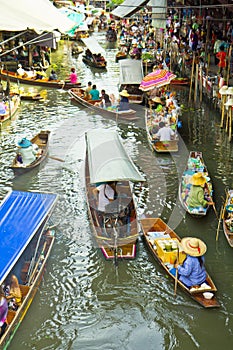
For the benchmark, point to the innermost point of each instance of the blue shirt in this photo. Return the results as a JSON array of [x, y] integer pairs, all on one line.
[[191, 273], [95, 95]]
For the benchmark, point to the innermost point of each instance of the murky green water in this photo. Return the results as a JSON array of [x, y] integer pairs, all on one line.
[[84, 302]]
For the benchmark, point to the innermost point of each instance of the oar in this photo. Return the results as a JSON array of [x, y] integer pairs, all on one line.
[[56, 158], [216, 213], [219, 221], [176, 277]]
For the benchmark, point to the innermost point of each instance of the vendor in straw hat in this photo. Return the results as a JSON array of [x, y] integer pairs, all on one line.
[[192, 272], [196, 196], [124, 101]]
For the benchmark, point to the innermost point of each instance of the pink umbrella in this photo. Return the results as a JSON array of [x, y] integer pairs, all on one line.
[[158, 78]]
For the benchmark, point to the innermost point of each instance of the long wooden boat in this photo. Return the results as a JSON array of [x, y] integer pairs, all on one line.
[[12, 106], [120, 55], [116, 229], [228, 218], [195, 164], [152, 127], [93, 50], [55, 84], [93, 62], [42, 141], [180, 81], [28, 249], [111, 112], [154, 230], [131, 75]]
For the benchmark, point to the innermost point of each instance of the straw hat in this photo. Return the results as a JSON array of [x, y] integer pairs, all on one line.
[[230, 90], [24, 143], [229, 102], [124, 93], [198, 179], [157, 99], [223, 90], [193, 246]]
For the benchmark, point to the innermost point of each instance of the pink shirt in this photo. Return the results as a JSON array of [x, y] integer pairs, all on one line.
[[73, 78]]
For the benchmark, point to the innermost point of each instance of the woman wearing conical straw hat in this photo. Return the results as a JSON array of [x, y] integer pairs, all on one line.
[[196, 197], [192, 272]]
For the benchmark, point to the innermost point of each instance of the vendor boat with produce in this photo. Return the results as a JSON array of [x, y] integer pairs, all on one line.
[[169, 250], [161, 124], [195, 191], [228, 217]]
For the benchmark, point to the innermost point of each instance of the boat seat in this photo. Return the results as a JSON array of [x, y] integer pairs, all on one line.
[[24, 290], [10, 316]]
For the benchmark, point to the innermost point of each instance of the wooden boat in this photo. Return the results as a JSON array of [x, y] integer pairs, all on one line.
[[111, 112], [116, 229], [120, 55], [131, 75], [195, 164], [228, 218], [154, 230], [152, 128], [94, 53], [42, 141], [55, 84], [12, 105], [28, 249], [180, 81]]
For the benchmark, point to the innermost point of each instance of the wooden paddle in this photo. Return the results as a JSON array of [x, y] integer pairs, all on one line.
[[176, 277], [208, 191], [219, 221], [56, 158]]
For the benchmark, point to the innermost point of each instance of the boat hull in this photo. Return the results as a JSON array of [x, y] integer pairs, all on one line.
[[156, 225], [54, 84], [228, 233], [42, 141], [156, 145], [185, 185], [76, 95], [6, 117], [15, 318]]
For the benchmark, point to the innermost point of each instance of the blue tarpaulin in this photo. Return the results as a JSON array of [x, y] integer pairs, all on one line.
[[21, 214]]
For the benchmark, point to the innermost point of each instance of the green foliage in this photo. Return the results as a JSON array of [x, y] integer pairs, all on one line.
[[113, 3]]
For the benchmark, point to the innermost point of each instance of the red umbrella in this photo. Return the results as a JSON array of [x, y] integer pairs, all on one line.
[[158, 78]]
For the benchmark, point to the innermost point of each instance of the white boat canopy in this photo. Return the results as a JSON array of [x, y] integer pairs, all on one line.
[[93, 45], [107, 158], [131, 71], [39, 15]]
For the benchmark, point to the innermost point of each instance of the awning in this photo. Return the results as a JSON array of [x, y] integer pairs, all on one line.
[[21, 214], [93, 45], [128, 8], [107, 158], [131, 71], [40, 15]]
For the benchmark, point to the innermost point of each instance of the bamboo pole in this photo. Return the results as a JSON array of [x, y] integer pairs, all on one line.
[[227, 120], [229, 65], [191, 81], [230, 122], [196, 83], [200, 85], [224, 97]]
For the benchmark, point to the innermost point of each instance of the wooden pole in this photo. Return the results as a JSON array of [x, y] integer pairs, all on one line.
[[196, 83], [227, 121], [230, 122], [223, 110], [191, 80], [229, 65], [200, 85]]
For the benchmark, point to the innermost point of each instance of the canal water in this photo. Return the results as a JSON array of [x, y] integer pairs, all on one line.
[[84, 302]]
